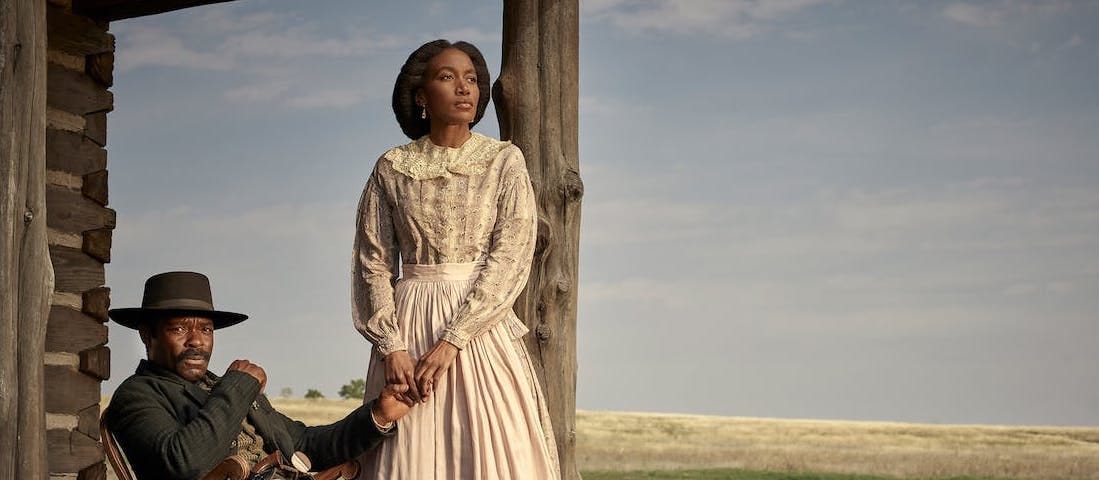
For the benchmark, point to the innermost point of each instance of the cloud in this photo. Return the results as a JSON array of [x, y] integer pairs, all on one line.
[[991, 14], [336, 98], [1073, 42], [257, 48], [285, 43], [475, 36], [258, 92], [727, 18], [975, 15], [155, 47]]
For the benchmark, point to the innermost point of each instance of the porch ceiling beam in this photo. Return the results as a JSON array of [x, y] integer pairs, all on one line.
[[110, 10]]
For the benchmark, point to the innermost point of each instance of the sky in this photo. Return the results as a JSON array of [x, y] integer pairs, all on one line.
[[816, 209]]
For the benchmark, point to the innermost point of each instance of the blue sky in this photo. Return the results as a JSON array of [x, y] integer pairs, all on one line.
[[811, 209]]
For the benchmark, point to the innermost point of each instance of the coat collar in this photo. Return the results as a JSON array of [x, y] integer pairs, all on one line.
[[257, 415], [192, 389]]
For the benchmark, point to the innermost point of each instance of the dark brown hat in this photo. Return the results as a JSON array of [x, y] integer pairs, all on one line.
[[176, 293]]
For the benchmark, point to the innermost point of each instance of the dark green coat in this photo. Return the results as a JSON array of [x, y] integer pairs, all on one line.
[[171, 429]]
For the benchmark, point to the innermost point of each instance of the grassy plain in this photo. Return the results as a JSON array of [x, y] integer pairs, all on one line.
[[641, 446], [612, 445]]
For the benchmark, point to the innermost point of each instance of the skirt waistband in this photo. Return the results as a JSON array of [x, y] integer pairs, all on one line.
[[441, 271]]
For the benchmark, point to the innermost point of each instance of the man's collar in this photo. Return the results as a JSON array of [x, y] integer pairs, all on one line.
[[146, 367]]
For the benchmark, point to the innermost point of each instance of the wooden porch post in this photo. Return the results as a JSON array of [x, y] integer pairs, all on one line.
[[537, 97], [26, 275]]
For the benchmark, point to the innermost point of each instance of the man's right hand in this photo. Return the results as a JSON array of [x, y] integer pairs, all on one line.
[[392, 404], [252, 369], [399, 370]]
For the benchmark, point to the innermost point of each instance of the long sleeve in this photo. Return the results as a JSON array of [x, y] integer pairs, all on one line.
[[508, 261], [160, 445], [333, 444], [374, 269]]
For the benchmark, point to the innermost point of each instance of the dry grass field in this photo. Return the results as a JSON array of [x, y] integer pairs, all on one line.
[[608, 441], [637, 441]]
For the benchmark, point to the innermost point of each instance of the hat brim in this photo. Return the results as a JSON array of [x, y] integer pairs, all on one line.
[[135, 317]]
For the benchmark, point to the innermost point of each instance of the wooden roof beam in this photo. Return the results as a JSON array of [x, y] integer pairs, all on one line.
[[110, 10]]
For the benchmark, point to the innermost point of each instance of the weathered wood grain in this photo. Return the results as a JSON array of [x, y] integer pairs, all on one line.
[[76, 34], [71, 211], [88, 421], [76, 271], [537, 101], [110, 10], [73, 152], [97, 471], [101, 68], [72, 331], [68, 390], [95, 127], [72, 451], [26, 278], [96, 302], [97, 244], [74, 92], [96, 362], [94, 186]]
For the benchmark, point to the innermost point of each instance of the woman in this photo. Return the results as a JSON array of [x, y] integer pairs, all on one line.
[[457, 209]]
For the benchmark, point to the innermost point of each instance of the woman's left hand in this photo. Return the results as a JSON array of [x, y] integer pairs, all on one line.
[[433, 365]]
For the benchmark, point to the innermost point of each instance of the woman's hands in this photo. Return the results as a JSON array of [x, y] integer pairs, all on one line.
[[433, 365], [398, 371]]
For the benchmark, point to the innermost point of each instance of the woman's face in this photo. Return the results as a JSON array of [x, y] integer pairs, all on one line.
[[450, 88]]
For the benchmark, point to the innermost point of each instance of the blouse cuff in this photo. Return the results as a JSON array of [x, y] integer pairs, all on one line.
[[458, 340], [387, 348]]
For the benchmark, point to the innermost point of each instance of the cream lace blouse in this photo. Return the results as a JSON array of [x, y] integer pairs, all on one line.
[[426, 204]]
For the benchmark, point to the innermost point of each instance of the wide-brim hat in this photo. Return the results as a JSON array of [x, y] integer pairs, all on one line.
[[175, 293]]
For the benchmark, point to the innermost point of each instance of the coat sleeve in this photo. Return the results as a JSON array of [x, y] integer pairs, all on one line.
[[508, 262], [333, 444], [374, 269], [158, 445]]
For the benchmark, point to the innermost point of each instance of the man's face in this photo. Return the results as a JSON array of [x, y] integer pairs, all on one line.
[[181, 344]]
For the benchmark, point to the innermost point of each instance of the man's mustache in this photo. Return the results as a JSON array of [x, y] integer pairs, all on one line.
[[193, 353]]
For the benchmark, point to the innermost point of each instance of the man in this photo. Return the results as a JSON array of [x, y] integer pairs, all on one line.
[[176, 420]]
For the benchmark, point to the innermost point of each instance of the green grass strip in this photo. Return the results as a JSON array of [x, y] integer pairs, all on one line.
[[732, 474]]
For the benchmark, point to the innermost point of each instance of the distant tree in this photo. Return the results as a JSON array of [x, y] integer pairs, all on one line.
[[354, 390], [313, 394], [286, 392]]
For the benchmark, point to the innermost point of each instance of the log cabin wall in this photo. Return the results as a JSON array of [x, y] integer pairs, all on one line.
[[80, 61]]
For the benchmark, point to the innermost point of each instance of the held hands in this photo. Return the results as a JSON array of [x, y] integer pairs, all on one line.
[[252, 369], [398, 371], [392, 404], [433, 365]]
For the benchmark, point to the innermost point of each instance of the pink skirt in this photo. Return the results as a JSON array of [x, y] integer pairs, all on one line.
[[486, 418]]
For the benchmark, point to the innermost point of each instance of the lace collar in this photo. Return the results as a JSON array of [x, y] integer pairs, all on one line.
[[422, 159]]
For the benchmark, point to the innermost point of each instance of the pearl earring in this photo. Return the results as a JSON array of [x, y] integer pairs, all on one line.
[[423, 114]]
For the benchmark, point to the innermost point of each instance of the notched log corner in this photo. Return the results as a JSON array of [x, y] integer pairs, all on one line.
[[96, 303]]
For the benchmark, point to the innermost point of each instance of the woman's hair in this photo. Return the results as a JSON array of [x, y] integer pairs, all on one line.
[[411, 79]]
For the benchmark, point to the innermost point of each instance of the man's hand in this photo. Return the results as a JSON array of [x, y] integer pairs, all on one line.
[[392, 404], [252, 369], [433, 365], [398, 371]]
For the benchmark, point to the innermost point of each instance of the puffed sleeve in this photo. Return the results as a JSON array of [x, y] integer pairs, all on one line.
[[508, 262], [374, 268]]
